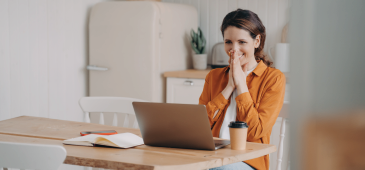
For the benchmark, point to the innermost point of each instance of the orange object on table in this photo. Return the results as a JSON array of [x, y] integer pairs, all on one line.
[[101, 132]]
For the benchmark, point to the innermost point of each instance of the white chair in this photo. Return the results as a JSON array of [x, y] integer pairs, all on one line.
[[284, 115], [31, 156], [116, 105]]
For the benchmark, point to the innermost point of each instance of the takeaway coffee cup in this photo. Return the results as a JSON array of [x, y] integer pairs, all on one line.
[[238, 134]]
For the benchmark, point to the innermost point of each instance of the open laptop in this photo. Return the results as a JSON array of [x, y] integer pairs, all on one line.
[[176, 125]]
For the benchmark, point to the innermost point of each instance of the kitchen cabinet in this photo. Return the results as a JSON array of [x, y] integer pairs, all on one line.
[[185, 86], [184, 90]]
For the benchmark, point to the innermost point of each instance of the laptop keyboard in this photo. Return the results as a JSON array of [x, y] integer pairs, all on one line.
[[218, 143]]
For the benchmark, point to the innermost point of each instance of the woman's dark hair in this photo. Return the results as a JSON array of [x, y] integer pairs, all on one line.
[[249, 21]]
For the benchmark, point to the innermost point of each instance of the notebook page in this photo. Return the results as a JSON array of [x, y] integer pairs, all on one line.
[[123, 140], [90, 138], [82, 140], [81, 143]]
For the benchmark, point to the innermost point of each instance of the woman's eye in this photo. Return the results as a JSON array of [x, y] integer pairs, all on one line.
[[228, 42], [242, 42]]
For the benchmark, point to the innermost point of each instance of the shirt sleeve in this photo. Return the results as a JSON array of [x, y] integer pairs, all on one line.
[[212, 105], [261, 120]]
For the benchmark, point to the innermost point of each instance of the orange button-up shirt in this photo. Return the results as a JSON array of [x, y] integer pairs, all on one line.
[[259, 107]]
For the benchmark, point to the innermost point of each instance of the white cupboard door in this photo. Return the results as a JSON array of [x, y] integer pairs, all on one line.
[[183, 90]]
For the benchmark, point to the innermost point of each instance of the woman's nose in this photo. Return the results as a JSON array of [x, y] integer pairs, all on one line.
[[235, 47]]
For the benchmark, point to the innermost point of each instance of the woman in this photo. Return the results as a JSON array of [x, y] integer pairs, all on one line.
[[248, 89]]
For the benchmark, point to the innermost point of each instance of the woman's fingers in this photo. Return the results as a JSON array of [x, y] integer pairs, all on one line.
[[236, 55], [230, 79], [233, 55], [238, 72], [230, 56], [235, 69], [231, 73], [245, 68], [236, 58], [232, 67]]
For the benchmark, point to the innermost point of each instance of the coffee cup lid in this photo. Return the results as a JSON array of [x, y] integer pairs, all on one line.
[[238, 124]]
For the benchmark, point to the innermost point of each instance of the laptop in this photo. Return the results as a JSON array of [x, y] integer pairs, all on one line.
[[176, 125]]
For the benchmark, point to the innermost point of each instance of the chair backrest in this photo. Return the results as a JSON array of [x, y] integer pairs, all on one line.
[[31, 156], [284, 115], [116, 105]]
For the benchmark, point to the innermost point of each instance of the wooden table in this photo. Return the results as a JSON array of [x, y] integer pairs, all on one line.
[[27, 129]]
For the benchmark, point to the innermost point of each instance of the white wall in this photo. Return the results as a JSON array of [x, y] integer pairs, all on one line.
[[43, 54], [273, 14]]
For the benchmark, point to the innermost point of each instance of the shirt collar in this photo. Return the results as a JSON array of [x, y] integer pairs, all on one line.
[[260, 68]]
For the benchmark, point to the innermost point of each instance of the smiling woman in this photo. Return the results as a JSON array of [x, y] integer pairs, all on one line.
[[248, 89], [249, 27]]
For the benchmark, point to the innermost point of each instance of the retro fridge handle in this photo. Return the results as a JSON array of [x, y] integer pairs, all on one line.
[[93, 67]]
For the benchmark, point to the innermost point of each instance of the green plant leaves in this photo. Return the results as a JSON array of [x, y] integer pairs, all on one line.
[[198, 41]]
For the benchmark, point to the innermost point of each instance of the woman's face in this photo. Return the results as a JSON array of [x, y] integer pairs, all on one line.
[[240, 42]]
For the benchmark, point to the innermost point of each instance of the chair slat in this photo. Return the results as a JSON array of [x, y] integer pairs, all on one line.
[[101, 120], [87, 117], [281, 144], [115, 119]]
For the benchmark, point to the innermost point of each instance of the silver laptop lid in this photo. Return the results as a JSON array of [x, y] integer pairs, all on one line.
[[174, 125]]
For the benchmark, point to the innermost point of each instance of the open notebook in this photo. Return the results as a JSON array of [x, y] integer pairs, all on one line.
[[121, 140]]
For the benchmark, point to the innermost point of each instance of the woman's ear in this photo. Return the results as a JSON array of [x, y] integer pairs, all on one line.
[[257, 41]]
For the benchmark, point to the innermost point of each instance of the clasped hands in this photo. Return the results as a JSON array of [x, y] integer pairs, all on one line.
[[237, 76]]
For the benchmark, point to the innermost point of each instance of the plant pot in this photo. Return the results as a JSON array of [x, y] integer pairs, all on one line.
[[200, 61]]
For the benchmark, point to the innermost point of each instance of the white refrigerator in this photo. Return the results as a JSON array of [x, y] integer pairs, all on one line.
[[132, 43]]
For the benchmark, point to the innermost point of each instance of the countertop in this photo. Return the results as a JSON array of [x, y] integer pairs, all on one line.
[[190, 73]]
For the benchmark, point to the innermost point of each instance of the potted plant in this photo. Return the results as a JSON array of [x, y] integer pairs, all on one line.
[[198, 43]]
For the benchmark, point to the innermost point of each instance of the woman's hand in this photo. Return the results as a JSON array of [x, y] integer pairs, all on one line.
[[239, 74], [231, 85]]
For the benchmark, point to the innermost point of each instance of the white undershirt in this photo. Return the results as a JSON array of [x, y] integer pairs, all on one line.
[[231, 113]]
